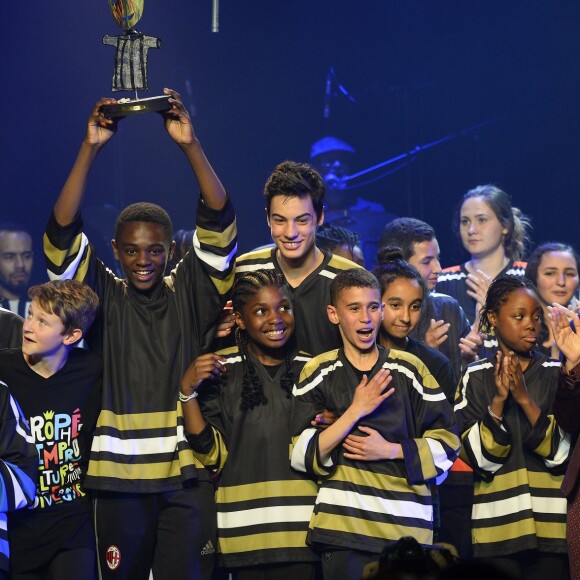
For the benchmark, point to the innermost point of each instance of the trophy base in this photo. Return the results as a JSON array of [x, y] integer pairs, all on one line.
[[134, 106]]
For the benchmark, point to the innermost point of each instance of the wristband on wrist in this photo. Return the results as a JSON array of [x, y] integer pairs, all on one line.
[[184, 398], [500, 419]]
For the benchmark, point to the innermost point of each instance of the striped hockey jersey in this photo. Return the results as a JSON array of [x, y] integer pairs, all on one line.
[[518, 468], [263, 505], [18, 467], [362, 504], [147, 342]]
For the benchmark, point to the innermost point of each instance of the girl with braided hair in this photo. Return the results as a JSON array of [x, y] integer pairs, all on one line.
[[239, 426], [513, 441]]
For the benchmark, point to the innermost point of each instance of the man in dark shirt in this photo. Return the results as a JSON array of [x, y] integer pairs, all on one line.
[[16, 260]]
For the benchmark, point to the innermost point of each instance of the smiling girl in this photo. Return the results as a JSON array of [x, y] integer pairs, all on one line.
[[553, 268], [241, 428], [403, 290], [512, 441], [495, 234]]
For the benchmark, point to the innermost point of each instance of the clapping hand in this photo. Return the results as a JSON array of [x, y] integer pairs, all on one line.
[[567, 340]]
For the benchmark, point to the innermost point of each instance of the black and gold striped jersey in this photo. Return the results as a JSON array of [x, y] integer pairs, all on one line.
[[518, 468], [362, 504], [263, 505], [147, 341]]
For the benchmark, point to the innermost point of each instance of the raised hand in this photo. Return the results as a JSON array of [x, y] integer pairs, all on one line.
[[517, 382], [470, 345], [99, 131], [436, 334], [371, 447], [502, 386], [225, 322], [99, 128], [518, 389], [177, 120], [478, 283], [206, 366], [501, 376], [567, 340]]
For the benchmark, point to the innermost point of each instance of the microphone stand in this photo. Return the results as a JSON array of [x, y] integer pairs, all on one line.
[[412, 154]]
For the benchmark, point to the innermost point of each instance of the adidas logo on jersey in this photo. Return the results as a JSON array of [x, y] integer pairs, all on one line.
[[208, 549]]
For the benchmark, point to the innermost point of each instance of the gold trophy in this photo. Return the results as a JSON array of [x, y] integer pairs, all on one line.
[[130, 72]]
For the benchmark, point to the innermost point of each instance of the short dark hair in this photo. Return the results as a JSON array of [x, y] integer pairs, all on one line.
[[498, 293], [72, 301], [145, 212], [536, 257], [392, 266], [329, 236], [404, 233], [352, 278], [292, 179]]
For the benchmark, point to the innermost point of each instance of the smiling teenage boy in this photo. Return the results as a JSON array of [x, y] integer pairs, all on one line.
[[58, 388], [294, 209], [154, 508], [394, 435]]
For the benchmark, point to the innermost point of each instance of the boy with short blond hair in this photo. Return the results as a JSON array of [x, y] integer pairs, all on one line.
[[394, 435], [58, 388]]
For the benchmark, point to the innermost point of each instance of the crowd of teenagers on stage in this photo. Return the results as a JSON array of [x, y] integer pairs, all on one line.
[[288, 414]]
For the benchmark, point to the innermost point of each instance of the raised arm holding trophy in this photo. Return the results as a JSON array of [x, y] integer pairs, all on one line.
[[154, 508]]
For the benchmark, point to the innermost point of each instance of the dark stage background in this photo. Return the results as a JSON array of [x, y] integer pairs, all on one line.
[[419, 70]]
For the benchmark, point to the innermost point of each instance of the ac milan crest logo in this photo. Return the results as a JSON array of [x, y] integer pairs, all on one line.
[[113, 557]]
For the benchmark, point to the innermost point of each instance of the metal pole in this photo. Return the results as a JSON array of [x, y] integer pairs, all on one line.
[[215, 16]]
